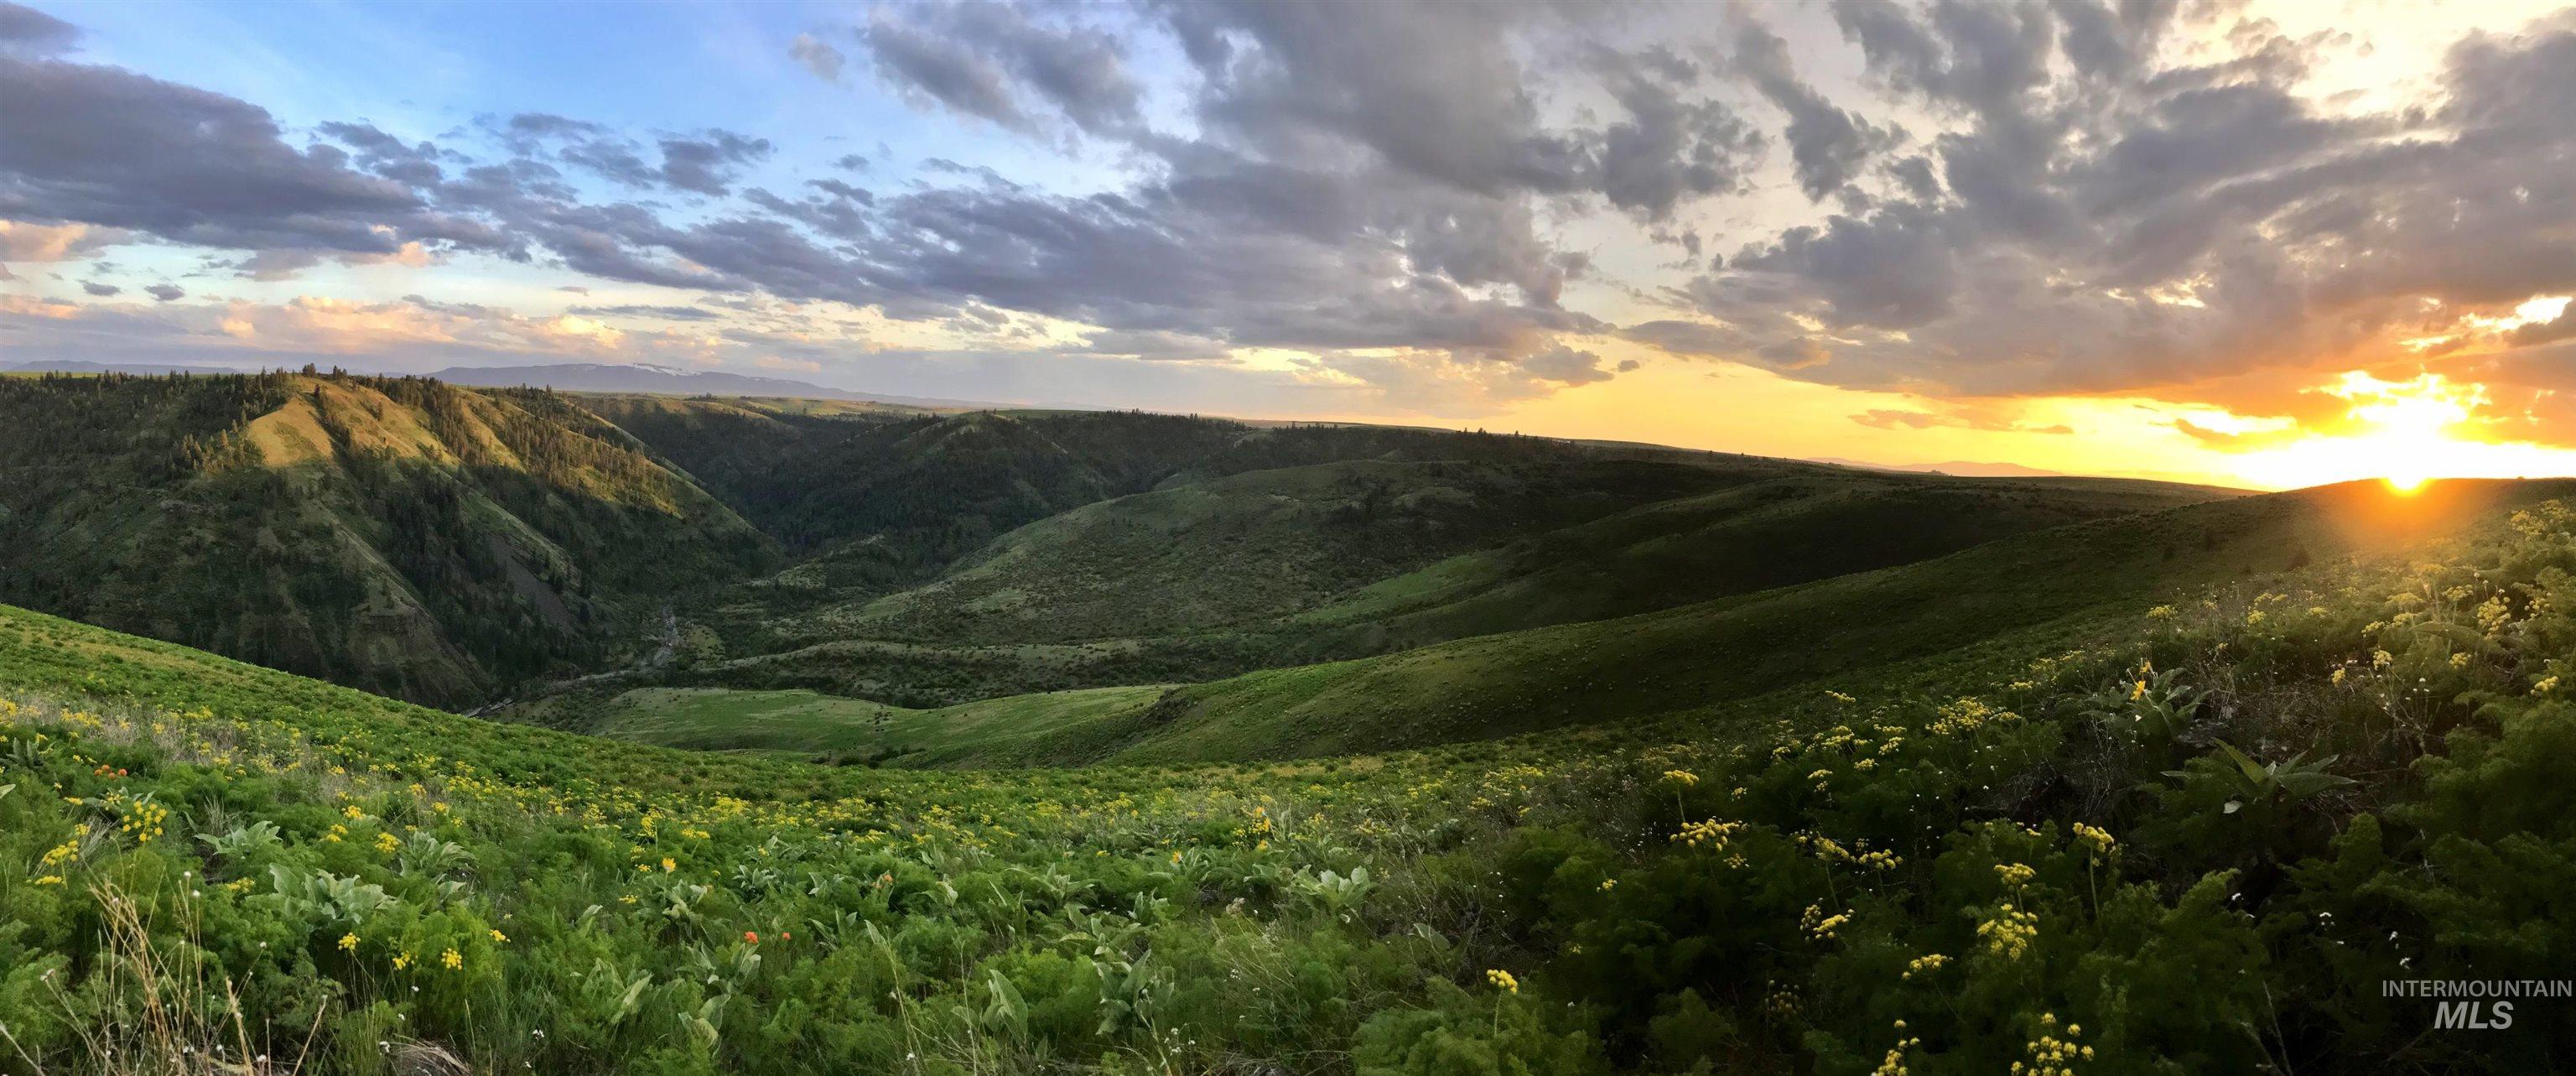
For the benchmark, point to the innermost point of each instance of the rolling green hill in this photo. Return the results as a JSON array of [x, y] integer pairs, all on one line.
[[402, 535], [2197, 838], [2006, 602], [1292, 566], [2045, 585], [1250, 547]]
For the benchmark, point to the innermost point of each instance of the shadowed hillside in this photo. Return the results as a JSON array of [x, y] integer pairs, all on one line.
[[2009, 600], [1298, 565]]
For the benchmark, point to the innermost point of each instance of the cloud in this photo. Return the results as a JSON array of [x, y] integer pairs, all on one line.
[[1899, 418], [818, 57], [27, 33], [24, 242], [1669, 149], [1566, 365], [104, 146], [1409, 199], [95, 288], [1827, 145], [1150, 344], [165, 292], [2109, 218], [642, 310], [706, 163]]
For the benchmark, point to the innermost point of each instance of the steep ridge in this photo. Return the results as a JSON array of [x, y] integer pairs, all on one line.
[[400, 535]]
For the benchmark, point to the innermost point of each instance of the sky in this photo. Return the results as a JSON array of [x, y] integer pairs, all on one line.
[[2263, 245]]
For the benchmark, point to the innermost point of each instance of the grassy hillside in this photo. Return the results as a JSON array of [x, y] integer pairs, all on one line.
[[1249, 547], [415, 538], [2009, 599], [2198, 841], [1775, 533], [2046, 583], [1291, 566], [874, 501]]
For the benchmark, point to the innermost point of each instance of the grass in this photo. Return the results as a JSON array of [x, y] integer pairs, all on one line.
[[2194, 839], [2057, 583]]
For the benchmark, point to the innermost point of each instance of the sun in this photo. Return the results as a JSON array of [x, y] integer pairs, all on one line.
[[2409, 424], [2405, 433]]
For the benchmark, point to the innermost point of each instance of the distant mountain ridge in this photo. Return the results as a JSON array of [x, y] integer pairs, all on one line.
[[1954, 468], [674, 381], [81, 366], [568, 377]]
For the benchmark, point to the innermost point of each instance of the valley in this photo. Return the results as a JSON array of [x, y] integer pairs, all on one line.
[[891, 738]]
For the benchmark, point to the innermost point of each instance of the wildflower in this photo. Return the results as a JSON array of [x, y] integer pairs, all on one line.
[[2015, 874], [349, 943], [2161, 612], [2544, 685], [2254, 617], [2098, 840], [401, 961], [452, 960], [387, 842], [751, 936], [2337, 678], [497, 936], [1607, 884], [1503, 980], [1710, 831], [50, 879], [1929, 962], [2138, 692], [2010, 932], [1685, 778], [669, 865]]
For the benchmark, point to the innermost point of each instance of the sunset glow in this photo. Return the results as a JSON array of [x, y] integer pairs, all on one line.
[[2404, 432]]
